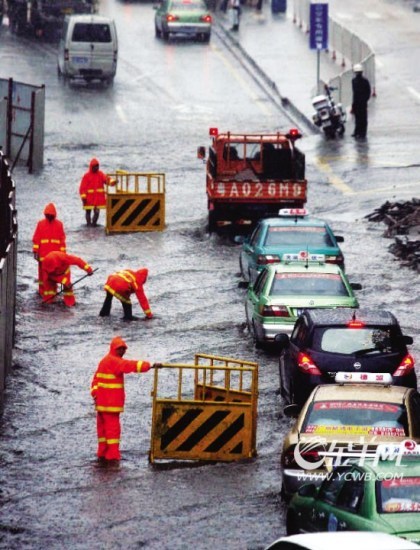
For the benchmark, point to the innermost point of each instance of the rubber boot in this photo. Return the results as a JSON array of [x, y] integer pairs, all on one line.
[[128, 312], [95, 217], [106, 308], [88, 220]]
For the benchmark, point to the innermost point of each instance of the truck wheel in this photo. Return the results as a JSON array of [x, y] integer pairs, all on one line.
[[212, 221]]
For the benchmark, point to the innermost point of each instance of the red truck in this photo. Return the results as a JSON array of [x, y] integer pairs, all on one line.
[[250, 176]]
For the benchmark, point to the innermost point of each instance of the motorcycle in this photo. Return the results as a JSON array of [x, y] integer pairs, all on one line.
[[329, 116]]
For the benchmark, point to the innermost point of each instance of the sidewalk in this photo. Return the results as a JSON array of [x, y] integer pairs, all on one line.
[[281, 49]]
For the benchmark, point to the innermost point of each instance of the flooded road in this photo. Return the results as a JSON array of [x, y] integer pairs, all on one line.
[[52, 492]]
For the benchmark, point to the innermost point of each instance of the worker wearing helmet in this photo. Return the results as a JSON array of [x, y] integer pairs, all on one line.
[[107, 390], [361, 96], [121, 285], [92, 191], [56, 269], [49, 236]]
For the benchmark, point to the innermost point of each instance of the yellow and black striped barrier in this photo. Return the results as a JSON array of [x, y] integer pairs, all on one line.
[[136, 202], [207, 411]]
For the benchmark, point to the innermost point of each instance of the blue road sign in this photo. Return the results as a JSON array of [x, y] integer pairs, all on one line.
[[318, 30]]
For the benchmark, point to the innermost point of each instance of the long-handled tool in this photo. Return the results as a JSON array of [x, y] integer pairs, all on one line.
[[72, 285]]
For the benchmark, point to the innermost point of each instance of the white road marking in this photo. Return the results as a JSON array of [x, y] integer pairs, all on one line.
[[120, 113], [413, 92]]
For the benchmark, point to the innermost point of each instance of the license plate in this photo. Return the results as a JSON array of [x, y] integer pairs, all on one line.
[[80, 60]]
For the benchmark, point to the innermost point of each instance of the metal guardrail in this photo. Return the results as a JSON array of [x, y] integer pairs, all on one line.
[[8, 270], [343, 44]]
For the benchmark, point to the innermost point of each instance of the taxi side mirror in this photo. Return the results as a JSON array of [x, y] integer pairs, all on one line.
[[282, 340], [408, 340], [292, 410], [356, 286], [339, 238], [309, 490], [201, 152]]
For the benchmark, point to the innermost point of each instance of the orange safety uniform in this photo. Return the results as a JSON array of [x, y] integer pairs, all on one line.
[[107, 389], [92, 188], [49, 236], [56, 269], [124, 283]]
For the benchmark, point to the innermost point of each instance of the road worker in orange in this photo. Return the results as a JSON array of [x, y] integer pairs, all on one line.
[[56, 269], [49, 236], [121, 285], [92, 191], [107, 390]]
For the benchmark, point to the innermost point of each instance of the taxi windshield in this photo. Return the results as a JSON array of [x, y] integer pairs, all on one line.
[[352, 417], [291, 236], [399, 495], [188, 6], [304, 284]]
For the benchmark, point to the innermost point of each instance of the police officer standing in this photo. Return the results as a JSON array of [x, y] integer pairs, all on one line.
[[361, 96]]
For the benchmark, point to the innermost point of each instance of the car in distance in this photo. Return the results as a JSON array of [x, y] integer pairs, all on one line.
[[292, 231], [282, 291], [346, 421], [187, 17], [375, 496], [343, 540], [324, 342]]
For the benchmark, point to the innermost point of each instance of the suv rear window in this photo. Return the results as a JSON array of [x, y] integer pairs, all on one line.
[[91, 32], [358, 341]]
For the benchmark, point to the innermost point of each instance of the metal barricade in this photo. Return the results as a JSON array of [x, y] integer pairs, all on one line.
[[136, 202], [210, 412]]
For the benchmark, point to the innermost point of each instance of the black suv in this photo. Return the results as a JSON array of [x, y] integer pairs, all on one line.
[[326, 341]]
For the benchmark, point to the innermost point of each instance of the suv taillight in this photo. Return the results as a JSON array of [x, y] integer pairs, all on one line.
[[170, 17], [306, 365], [275, 311], [406, 366], [267, 259], [206, 18]]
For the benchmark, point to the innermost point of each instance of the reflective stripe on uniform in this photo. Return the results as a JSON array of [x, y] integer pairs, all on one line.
[[101, 408], [110, 386], [101, 439], [139, 365], [112, 441], [117, 295], [107, 376], [95, 191]]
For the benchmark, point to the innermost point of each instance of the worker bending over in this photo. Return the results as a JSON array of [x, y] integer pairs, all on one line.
[[56, 269], [121, 285]]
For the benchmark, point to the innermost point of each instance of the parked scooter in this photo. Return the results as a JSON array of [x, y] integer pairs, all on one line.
[[329, 116]]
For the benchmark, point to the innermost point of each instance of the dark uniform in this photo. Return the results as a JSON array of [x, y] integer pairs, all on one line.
[[361, 95]]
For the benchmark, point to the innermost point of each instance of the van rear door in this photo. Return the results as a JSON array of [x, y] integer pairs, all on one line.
[[94, 48]]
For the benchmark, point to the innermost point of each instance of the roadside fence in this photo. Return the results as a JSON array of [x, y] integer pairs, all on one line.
[[345, 47], [8, 269]]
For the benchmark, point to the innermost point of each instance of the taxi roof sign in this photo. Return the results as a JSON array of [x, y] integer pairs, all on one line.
[[303, 256], [383, 378], [301, 212]]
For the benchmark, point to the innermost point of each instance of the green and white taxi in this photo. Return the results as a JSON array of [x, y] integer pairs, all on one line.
[[282, 291], [382, 496]]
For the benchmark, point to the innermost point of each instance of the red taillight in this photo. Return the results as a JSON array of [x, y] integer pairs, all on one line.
[[406, 366], [309, 456], [306, 365], [337, 260], [213, 131], [267, 259], [170, 17], [275, 311], [206, 18]]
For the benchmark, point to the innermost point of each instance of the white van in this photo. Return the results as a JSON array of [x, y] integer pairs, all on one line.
[[88, 48]]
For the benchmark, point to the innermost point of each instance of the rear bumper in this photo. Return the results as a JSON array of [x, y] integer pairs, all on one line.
[[188, 28]]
